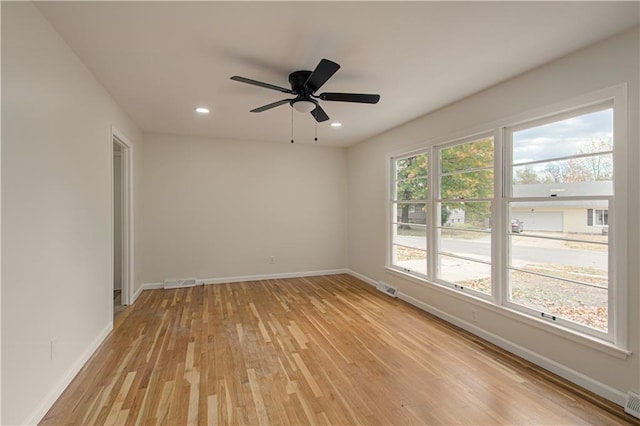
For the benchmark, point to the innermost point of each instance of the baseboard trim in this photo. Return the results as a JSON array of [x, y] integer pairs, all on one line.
[[561, 370], [136, 294], [48, 401], [237, 279], [143, 287], [362, 278], [245, 278]]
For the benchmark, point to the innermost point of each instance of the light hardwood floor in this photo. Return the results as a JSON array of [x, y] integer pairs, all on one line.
[[305, 351]]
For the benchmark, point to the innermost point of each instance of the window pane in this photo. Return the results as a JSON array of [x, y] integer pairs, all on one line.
[[468, 156], [570, 259], [466, 215], [457, 251], [466, 170], [411, 213], [581, 304], [464, 234], [477, 184], [411, 167], [600, 217], [411, 189], [563, 262], [587, 133], [591, 175], [567, 219], [410, 235], [465, 273], [474, 245], [411, 259]]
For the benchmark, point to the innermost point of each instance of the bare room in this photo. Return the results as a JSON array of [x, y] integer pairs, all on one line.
[[318, 212]]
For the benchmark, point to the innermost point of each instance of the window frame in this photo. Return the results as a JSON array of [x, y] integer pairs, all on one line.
[[509, 198], [437, 199], [393, 202], [616, 340], [595, 215]]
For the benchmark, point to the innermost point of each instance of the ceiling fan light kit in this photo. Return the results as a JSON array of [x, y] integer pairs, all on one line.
[[304, 85], [303, 106]]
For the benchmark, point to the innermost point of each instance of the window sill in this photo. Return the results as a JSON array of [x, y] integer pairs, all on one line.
[[574, 336]]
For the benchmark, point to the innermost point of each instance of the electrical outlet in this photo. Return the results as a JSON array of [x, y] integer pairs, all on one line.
[[474, 315], [272, 259], [53, 349]]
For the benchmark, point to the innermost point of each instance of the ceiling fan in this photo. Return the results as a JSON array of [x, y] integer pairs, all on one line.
[[304, 85]]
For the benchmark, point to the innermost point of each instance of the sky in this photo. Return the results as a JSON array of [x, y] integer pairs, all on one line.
[[562, 138]]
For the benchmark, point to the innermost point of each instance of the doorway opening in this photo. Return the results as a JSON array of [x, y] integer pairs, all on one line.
[[122, 223]]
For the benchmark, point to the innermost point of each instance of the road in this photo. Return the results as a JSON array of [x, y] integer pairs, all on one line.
[[525, 251]]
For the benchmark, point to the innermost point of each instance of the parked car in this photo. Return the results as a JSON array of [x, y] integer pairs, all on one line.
[[516, 226]]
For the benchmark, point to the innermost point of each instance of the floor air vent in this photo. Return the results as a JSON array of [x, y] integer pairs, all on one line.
[[179, 283], [387, 289], [633, 405]]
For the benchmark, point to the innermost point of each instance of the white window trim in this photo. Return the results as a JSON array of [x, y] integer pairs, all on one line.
[[617, 95]]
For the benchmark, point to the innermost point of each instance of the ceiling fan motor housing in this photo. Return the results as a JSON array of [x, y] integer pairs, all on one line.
[[297, 79], [303, 102]]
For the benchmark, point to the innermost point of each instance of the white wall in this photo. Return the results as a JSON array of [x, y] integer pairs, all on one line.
[[56, 212], [217, 208], [604, 65]]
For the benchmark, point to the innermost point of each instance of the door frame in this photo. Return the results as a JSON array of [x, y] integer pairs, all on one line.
[[126, 164]]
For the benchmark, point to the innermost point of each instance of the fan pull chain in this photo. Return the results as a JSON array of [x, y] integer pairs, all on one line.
[[316, 124], [291, 125]]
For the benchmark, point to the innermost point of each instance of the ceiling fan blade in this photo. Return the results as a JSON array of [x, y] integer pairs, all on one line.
[[350, 97], [261, 84], [272, 105], [319, 114], [321, 74]]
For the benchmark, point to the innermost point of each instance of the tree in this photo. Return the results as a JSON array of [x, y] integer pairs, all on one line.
[[554, 171], [411, 177], [467, 174], [599, 167], [526, 175], [445, 213], [595, 164]]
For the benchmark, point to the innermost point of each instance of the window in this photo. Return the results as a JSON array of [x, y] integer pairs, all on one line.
[[409, 199], [463, 231], [597, 217], [503, 218], [558, 268]]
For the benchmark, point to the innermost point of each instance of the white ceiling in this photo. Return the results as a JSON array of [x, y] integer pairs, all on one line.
[[160, 60]]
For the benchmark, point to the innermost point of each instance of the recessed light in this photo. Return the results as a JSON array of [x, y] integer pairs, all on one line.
[[336, 124], [202, 110]]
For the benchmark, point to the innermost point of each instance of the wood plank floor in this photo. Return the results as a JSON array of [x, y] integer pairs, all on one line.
[[306, 351]]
